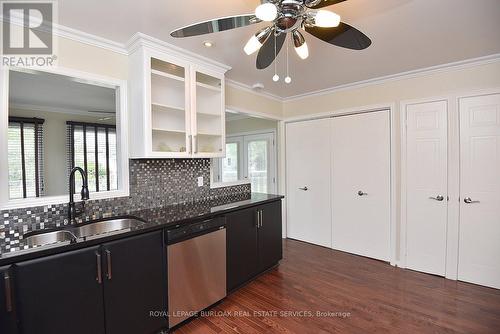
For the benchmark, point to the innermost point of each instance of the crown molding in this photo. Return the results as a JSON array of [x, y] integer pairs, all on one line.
[[89, 39], [247, 88], [139, 40], [467, 63]]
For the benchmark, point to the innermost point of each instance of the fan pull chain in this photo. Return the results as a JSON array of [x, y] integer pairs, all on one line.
[[276, 77], [288, 79]]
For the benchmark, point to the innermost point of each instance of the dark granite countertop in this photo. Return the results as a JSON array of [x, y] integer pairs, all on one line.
[[154, 219]]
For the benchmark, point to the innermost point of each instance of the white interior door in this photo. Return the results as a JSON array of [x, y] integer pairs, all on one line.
[[308, 181], [479, 245], [361, 184], [426, 196]]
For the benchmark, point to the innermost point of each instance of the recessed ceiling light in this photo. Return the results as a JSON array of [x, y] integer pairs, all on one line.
[[208, 44]]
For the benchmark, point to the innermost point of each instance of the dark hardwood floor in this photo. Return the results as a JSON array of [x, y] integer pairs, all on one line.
[[362, 296]]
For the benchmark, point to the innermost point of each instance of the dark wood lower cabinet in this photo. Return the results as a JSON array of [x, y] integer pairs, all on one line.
[[270, 236], [241, 240], [134, 284], [61, 294], [108, 289], [254, 242], [8, 319]]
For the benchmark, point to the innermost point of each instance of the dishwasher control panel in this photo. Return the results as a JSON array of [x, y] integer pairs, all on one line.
[[192, 230]]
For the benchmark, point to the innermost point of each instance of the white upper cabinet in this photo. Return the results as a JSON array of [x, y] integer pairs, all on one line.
[[177, 104]]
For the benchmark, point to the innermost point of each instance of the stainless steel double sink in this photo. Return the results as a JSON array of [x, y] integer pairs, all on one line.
[[83, 232]]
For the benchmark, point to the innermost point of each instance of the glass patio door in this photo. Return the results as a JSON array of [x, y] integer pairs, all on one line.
[[260, 166]]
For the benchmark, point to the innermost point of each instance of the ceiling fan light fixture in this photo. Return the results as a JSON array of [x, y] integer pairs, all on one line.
[[256, 41], [267, 12], [300, 45], [326, 19]]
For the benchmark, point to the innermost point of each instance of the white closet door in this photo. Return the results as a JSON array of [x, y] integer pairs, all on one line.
[[426, 197], [361, 184], [479, 245], [308, 181]]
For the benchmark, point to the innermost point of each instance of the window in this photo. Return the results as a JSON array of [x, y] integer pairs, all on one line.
[[249, 157], [25, 159], [93, 148]]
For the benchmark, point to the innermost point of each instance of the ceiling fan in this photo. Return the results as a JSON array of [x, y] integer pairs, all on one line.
[[285, 16]]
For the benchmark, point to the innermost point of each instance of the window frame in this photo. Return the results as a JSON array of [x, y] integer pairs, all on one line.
[[240, 137], [121, 138]]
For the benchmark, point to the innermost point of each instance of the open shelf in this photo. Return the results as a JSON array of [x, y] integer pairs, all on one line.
[[166, 75], [209, 87], [163, 107], [168, 130], [208, 134]]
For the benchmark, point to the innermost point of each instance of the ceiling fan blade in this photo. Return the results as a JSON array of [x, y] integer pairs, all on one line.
[[222, 24], [266, 54], [325, 3], [344, 35]]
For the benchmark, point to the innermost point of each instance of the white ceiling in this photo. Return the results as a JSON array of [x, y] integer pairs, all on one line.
[[406, 34]]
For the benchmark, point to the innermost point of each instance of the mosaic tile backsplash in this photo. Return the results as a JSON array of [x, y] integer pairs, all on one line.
[[153, 183]]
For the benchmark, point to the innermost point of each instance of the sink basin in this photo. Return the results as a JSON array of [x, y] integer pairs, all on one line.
[[106, 226], [45, 239]]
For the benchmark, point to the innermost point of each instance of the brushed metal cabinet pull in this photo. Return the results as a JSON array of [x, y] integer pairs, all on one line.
[[99, 268], [109, 273], [257, 217], [261, 218], [8, 293]]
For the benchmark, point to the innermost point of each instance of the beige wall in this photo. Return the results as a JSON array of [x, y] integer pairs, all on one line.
[[450, 81], [245, 101], [91, 59], [249, 125]]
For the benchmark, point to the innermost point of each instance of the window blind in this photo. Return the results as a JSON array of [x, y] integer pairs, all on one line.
[[25, 157], [92, 147]]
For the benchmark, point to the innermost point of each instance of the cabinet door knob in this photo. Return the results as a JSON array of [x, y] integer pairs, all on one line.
[[438, 198], [304, 188], [361, 193]]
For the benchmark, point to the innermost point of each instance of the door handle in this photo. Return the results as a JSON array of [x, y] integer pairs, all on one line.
[[304, 188], [361, 193], [99, 268], [438, 198], [469, 200], [257, 217], [109, 273], [8, 293], [261, 218]]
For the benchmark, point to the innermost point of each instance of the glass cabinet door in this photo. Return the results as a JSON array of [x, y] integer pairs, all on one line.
[[209, 129], [169, 112]]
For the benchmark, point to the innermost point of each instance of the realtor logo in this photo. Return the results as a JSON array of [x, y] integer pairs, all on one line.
[[27, 28], [28, 33]]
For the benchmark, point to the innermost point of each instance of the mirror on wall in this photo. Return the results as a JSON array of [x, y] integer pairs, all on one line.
[[251, 155], [55, 123]]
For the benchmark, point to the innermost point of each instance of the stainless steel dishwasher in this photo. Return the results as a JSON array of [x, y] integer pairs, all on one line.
[[196, 255]]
